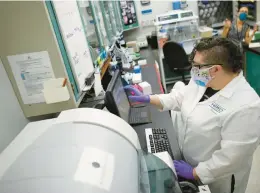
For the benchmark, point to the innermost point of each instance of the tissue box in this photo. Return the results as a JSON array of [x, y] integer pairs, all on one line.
[[205, 32], [133, 45], [137, 78], [147, 89]]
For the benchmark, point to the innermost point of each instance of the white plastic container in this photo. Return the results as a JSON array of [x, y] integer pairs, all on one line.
[[147, 89], [205, 31]]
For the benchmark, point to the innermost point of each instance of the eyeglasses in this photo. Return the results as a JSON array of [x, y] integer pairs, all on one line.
[[199, 66], [243, 12]]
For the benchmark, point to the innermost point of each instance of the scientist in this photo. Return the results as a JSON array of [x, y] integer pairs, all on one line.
[[239, 29], [217, 117]]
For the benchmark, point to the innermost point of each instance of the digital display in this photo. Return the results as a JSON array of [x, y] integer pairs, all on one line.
[[187, 14], [168, 17]]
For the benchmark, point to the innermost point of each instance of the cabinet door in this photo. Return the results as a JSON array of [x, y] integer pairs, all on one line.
[[129, 15], [253, 70]]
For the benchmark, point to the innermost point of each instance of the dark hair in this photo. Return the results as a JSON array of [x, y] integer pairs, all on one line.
[[243, 5], [219, 50]]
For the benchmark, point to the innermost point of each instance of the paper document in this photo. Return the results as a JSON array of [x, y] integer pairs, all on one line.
[[56, 90], [98, 85], [30, 71]]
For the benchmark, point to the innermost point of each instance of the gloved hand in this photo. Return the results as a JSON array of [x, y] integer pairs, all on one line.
[[138, 95], [184, 169]]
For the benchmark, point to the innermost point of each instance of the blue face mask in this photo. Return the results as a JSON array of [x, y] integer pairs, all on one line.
[[243, 16]]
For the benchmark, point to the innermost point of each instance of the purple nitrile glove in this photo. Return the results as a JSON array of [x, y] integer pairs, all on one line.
[[138, 95], [184, 169], [133, 90], [141, 99]]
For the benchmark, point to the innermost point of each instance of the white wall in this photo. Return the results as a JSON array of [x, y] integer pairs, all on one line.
[[12, 119], [258, 11], [158, 7]]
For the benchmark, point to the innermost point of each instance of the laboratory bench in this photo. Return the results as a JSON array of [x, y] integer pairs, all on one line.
[[252, 67], [150, 74]]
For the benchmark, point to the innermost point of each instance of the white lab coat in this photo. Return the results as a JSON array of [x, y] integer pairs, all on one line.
[[217, 136]]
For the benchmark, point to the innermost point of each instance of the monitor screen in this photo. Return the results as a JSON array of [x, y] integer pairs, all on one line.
[[121, 99], [168, 17], [186, 14]]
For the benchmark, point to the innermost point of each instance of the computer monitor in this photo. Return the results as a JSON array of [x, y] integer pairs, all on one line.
[[116, 99]]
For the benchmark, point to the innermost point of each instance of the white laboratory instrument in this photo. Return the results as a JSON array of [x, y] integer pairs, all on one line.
[[117, 51], [175, 16], [77, 152], [142, 42], [179, 26]]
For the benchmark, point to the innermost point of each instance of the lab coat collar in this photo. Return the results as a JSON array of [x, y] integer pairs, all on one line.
[[228, 90]]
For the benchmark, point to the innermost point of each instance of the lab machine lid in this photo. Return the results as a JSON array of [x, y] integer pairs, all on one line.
[[74, 158], [161, 177], [78, 153], [82, 151]]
